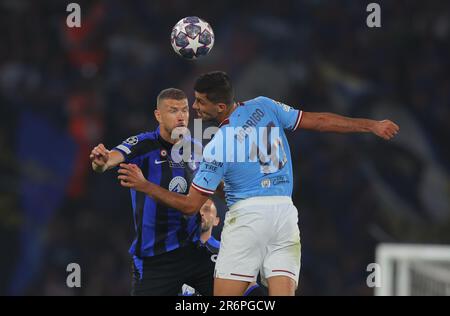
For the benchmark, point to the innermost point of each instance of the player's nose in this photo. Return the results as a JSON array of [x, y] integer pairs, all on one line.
[[181, 116]]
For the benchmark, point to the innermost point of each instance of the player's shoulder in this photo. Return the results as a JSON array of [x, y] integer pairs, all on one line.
[[149, 135], [259, 107], [260, 100], [275, 106], [149, 138], [244, 110]]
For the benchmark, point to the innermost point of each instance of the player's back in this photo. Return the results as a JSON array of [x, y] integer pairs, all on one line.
[[258, 189], [256, 159]]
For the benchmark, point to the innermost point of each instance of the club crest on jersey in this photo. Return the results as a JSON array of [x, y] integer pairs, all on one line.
[[163, 153], [133, 140], [178, 185], [265, 183]]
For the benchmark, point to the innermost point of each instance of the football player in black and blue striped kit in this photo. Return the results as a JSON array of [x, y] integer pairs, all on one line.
[[165, 250]]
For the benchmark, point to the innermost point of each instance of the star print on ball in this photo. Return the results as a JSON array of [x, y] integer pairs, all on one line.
[[192, 37]]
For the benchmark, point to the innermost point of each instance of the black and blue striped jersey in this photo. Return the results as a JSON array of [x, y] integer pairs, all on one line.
[[159, 229]]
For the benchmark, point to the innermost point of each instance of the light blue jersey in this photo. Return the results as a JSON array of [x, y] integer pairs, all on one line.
[[250, 152]]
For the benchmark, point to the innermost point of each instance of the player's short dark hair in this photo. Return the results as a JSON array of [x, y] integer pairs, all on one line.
[[171, 93], [217, 86]]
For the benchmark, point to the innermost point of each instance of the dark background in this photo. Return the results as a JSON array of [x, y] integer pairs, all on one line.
[[64, 90]]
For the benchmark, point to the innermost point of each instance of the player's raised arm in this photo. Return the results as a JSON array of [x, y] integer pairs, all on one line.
[[328, 122], [103, 159], [131, 176]]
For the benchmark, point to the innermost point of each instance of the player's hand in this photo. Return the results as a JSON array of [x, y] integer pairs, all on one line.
[[385, 129], [131, 176], [99, 158]]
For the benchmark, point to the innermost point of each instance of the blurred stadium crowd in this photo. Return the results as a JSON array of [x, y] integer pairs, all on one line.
[[64, 90]]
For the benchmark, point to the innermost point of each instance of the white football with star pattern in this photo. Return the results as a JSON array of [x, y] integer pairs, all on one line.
[[192, 37]]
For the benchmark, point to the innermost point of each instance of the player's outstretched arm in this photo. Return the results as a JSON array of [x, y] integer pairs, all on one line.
[[103, 159], [131, 176], [328, 122]]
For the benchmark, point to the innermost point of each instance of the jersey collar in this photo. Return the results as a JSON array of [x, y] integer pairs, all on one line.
[[162, 141], [227, 120], [224, 122]]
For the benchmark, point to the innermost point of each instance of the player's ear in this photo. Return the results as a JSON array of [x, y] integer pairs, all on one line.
[[216, 221], [222, 107], [158, 115]]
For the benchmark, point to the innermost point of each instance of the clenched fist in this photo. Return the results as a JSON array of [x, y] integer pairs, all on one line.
[[131, 176], [99, 158], [385, 129]]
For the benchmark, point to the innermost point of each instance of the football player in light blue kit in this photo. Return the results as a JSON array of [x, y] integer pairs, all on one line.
[[251, 155], [257, 128]]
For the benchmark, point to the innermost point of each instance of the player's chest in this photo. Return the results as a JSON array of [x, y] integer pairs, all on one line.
[[171, 174]]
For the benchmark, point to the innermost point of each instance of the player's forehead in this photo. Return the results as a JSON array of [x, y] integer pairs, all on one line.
[[172, 103], [201, 96], [208, 207]]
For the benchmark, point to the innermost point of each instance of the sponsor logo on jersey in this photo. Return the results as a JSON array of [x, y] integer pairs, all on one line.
[[279, 180], [179, 165]]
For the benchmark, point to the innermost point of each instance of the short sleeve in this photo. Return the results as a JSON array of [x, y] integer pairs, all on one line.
[[288, 117], [210, 173], [135, 146]]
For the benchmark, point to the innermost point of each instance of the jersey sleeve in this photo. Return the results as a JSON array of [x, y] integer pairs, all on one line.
[[135, 146], [288, 117], [211, 171]]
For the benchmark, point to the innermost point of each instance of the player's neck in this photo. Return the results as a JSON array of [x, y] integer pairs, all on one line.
[[166, 136], [205, 236], [223, 116]]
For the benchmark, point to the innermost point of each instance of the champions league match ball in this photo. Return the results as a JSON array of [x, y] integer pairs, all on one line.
[[192, 38]]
